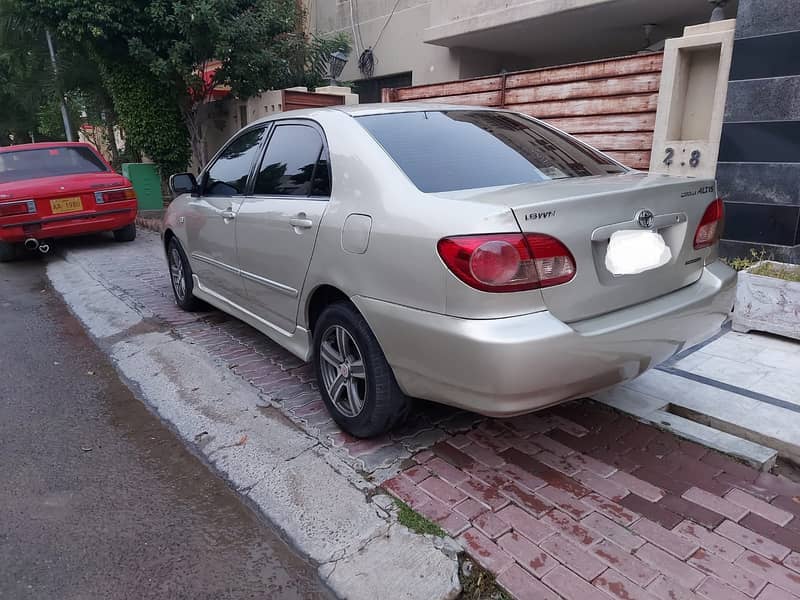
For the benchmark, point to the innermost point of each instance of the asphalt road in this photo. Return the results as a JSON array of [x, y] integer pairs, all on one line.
[[97, 498]]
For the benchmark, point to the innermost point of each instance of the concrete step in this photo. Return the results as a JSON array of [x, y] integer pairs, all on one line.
[[752, 430]]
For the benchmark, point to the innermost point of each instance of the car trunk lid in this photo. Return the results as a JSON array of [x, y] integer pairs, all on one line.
[[584, 212]]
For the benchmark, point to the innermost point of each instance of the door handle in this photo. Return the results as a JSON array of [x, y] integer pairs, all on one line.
[[301, 223], [228, 215]]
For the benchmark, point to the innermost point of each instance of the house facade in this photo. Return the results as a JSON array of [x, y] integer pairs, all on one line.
[[417, 42]]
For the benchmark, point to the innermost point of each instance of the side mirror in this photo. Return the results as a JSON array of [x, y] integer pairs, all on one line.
[[183, 183]]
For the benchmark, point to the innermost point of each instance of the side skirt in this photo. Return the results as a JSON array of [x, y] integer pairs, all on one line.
[[298, 343]]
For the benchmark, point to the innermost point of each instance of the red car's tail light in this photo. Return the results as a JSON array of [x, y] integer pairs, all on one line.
[[507, 262], [114, 196], [710, 229], [13, 209]]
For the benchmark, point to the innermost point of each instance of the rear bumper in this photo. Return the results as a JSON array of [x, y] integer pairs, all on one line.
[[514, 365], [60, 226]]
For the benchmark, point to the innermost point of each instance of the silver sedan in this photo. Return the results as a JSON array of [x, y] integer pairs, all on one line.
[[473, 257]]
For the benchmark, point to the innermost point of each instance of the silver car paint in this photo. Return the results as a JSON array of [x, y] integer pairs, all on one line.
[[492, 353]]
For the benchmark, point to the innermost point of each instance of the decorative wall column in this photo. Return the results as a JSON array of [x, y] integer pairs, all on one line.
[[759, 162], [691, 100]]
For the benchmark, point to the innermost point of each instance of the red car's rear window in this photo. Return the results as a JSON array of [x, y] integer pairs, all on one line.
[[48, 162]]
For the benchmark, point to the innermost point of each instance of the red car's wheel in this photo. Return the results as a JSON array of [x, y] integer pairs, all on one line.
[[126, 234]]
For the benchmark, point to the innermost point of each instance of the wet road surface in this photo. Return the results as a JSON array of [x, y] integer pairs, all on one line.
[[97, 498]]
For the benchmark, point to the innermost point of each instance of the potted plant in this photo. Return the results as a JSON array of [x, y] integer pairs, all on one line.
[[767, 297]]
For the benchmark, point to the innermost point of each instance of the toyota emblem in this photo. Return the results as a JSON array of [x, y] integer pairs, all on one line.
[[645, 218]]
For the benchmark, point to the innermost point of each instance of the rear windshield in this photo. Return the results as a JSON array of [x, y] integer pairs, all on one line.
[[48, 162], [464, 149]]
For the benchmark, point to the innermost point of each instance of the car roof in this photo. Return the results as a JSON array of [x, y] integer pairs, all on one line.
[[401, 107], [45, 145], [361, 110]]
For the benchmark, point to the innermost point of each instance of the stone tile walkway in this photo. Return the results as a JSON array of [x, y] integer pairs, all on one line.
[[756, 362], [581, 502], [574, 502]]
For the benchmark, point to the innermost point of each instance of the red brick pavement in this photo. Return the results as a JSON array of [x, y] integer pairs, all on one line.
[[573, 502], [581, 502]]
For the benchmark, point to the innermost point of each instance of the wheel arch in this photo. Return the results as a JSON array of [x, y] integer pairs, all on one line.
[[168, 235], [323, 296]]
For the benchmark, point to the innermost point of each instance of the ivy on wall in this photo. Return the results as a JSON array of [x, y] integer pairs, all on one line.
[[150, 116]]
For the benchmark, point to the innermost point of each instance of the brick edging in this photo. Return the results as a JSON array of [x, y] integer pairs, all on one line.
[[149, 223]]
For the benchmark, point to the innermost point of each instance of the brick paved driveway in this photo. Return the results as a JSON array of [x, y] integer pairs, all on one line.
[[574, 502]]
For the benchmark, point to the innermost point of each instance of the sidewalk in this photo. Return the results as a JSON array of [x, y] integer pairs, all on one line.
[[576, 502]]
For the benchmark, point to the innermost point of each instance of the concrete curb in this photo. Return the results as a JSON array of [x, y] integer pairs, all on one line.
[[319, 503]]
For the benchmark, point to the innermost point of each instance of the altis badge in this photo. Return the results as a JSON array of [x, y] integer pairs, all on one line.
[[706, 189]]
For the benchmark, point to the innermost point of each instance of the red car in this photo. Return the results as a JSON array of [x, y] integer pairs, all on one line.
[[60, 189]]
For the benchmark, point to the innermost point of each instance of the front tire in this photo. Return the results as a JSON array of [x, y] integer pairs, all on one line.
[[180, 275], [8, 252], [126, 234], [355, 381]]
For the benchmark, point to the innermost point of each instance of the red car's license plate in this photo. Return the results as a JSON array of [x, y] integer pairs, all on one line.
[[66, 205]]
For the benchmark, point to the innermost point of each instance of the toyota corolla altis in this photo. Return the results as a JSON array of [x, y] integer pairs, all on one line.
[[473, 257]]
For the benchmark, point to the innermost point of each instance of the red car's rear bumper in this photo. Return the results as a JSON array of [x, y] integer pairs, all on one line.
[[105, 218]]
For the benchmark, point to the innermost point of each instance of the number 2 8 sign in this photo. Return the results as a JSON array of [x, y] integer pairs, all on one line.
[[669, 157]]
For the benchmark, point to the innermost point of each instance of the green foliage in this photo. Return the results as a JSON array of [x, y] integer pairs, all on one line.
[[415, 521], [50, 122], [310, 57], [169, 44], [23, 62], [150, 118], [142, 62], [739, 264], [787, 273]]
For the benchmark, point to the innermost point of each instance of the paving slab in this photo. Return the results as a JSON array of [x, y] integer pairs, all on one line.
[[318, 509], [373, 570]]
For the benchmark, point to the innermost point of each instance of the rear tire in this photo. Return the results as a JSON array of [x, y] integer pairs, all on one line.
[[355, 381], [126, 234], [181, 277], [8, 252]]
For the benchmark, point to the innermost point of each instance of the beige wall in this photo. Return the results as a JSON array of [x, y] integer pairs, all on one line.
[[400, 49]]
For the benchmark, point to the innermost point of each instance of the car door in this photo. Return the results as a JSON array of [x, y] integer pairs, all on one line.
[[277, 225], [212, 233]]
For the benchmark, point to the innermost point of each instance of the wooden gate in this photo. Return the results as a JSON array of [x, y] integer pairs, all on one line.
[[293, 100], [610, 104]]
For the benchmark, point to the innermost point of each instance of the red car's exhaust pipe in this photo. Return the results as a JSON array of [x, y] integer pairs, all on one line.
[[31, 244]]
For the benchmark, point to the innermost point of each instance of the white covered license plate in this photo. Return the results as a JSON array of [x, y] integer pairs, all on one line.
[[630, 252]]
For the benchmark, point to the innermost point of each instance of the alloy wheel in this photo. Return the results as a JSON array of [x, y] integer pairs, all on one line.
[[343, 372], [177, 273]]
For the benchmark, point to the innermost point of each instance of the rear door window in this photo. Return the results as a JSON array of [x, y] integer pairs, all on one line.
[[48, 162], [294, 164], [464, 149], [230, 171]]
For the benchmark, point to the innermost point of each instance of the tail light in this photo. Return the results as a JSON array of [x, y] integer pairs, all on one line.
[[507, 262], [710, 229], [114, 196], [13, 209]]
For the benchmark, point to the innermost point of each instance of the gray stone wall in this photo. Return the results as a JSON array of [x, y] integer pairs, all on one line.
[[759, 164]]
